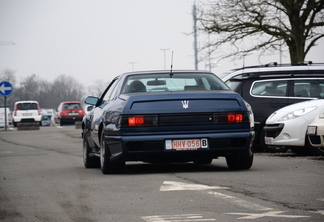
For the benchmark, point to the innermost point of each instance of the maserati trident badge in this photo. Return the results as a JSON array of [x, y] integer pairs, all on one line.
[[185, 104]]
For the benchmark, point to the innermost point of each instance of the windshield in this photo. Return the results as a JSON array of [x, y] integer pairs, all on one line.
[[174, 82]]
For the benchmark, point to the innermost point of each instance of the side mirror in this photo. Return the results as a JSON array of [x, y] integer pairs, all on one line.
[[91, 100]]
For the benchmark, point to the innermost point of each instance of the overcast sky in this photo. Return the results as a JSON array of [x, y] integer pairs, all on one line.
[[94, 40]]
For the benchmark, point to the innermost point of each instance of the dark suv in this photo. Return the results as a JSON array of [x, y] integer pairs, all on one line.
[[270, 87]]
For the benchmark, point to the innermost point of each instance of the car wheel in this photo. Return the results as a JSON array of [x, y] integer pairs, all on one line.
[[302, 150], [106, 165], [89, 162], [239, 162], [61, 122], [203, 161], [317, 151], [15, 124]]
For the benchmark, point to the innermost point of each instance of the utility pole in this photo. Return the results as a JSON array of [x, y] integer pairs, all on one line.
[[3, 88], [195, 35], [164, 58], [132, 63]]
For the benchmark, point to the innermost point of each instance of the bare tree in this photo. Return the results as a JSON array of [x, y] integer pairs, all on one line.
[[97, 88], [66, 88], [9, 76], [267, 24]]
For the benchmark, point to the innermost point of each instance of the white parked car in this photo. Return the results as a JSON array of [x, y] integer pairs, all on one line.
[[3, 117], [48, 115], [26, 111], [287, 126], [315, 132]]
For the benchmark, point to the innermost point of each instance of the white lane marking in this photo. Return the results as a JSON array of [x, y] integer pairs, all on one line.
[[318, 212], [173, 186], [176, 218], [253, 216], [239, 202], [176, 186]]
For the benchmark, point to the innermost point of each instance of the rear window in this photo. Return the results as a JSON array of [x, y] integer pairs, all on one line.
[[173, 82], [26, 106], [71, 106]]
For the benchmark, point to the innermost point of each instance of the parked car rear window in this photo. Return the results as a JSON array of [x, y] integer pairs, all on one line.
[[26, 106], [71, 106]]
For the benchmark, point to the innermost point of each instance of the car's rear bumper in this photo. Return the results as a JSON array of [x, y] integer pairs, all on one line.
[[71, 118], [152, 148], [18, 119]]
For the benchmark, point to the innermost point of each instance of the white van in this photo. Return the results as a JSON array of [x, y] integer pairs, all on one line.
[[2, 117]]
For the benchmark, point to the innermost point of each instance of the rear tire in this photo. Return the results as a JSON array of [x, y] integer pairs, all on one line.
[[106, 165], [89, 162], [239, 162]]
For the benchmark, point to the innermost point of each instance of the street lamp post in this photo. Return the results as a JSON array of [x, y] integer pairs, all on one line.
[[164, 57], [132, 63]]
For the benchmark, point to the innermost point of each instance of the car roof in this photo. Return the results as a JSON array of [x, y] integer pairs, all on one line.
[[166, 72], [26, 101], [269, 69]]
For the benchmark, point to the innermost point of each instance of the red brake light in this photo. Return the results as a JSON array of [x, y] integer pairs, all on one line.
[[139, 121], [235, 117], [38, 108], [135, 121], [15, 111]]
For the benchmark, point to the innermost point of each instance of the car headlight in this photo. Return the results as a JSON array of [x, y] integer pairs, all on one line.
[[297, 113]]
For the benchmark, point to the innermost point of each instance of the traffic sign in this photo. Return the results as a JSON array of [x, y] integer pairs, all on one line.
[[5, 88]]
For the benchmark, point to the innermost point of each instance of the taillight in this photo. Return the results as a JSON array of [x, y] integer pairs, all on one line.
[[136, 121], [15, 111], [234, 117], [139, 121], [231, 117], [38, 109]]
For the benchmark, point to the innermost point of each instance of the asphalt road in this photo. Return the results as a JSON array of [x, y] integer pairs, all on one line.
[[42, 178]]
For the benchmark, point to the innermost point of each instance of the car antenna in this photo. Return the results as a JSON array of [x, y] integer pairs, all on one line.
[[171, 74]]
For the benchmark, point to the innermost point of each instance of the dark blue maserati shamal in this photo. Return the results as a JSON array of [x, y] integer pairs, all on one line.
[[167, 116]]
